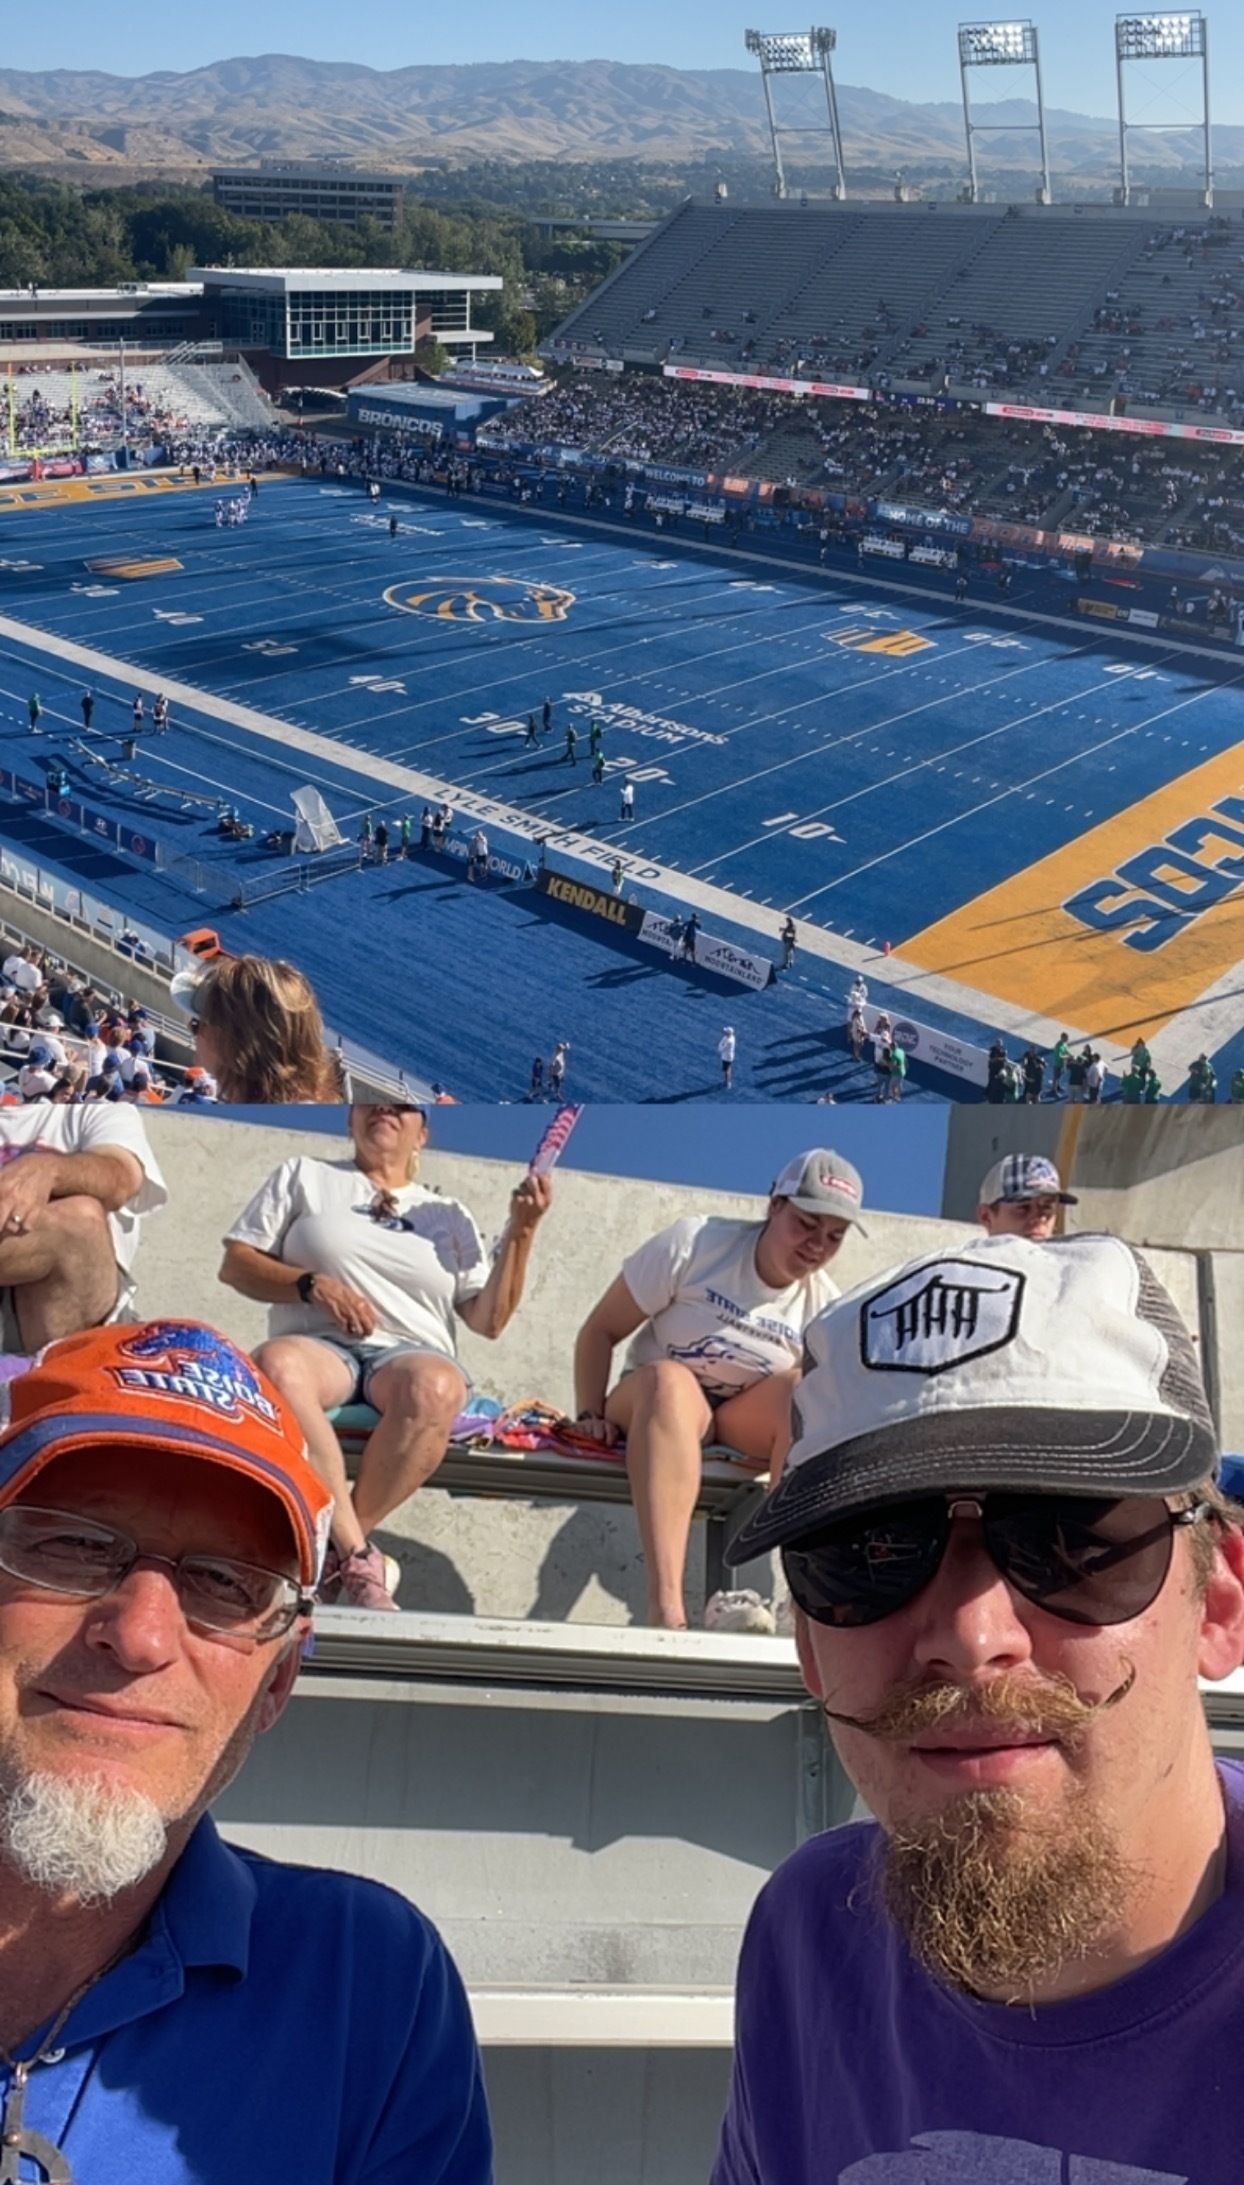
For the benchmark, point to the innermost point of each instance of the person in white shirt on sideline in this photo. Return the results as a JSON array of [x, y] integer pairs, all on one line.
[[717, 1310], [367, 1271]]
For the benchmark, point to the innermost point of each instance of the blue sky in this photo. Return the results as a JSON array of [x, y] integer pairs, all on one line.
[[906, 48], [901, 1156]]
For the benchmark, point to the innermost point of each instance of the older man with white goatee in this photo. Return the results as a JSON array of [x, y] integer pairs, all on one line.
[[172, 2009]]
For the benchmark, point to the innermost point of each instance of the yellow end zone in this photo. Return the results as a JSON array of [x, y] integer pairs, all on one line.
[[1018, 943], [115, 486]]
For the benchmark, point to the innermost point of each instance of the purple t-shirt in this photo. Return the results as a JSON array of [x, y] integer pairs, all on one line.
[[853, 2067]]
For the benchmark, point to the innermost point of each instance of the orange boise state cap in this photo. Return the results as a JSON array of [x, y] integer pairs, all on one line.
[[165, 1384]]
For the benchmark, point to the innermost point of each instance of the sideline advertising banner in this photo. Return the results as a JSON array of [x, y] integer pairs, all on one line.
[[921, 519], [1154, 428], [771, 386], [935, 1050], [654, 930], [711, 954], [78, 815], [597, 902]]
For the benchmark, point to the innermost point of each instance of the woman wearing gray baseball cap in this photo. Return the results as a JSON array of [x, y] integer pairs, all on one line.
[[716, 1309]]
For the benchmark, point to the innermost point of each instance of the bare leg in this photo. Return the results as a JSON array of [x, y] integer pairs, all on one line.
[[311, 1378], [418, 1398], [63, 1272], [665, 1415], [757, 1422]]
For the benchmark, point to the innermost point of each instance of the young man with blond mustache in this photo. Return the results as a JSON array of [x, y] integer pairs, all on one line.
[[1010, 1566], [171, 2009]]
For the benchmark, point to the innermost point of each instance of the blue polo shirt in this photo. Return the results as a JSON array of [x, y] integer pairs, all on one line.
[[277, 2023]]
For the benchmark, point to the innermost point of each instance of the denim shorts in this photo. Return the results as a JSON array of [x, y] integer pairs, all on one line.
[[365, 1358]]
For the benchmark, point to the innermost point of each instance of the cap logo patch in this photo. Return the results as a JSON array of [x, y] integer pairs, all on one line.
[[196, 1366], [939, 1317], [837, 1183]]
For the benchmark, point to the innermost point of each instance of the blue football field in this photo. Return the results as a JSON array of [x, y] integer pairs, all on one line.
[[1009, 817]]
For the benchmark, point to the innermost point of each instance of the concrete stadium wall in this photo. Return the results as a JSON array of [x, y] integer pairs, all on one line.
[[577, 1561], [89, 951], [562, 1561]]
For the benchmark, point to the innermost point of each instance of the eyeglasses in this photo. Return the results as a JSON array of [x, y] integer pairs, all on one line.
[[1086, 1561], [62, 1553]]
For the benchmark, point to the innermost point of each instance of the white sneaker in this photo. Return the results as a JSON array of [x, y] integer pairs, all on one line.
[[744, 1611]]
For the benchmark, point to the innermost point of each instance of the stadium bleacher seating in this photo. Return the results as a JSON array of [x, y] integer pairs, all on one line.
[[160, 399], [472, 1468], [1023, 301]]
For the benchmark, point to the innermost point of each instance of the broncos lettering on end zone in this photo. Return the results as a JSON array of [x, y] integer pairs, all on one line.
[[483, 599]]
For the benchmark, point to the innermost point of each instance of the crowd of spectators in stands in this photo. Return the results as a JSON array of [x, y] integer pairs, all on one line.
[[64, 1040], [673, 421], [1047, 477], [57, 406]]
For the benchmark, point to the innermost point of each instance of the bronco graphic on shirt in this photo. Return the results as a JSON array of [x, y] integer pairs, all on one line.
[[721, 1365], [708, 1307]]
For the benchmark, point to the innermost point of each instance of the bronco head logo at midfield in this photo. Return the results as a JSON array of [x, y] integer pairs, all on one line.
[[482, 599]]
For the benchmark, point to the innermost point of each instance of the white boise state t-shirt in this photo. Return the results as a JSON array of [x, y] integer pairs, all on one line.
[[48, 1128], [415, 1270], [708, 1308]]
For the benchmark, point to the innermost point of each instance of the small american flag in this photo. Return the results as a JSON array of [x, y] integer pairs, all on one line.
[[553, 1143]]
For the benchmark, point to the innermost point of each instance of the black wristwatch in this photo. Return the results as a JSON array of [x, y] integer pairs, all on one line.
[[306, 1288]]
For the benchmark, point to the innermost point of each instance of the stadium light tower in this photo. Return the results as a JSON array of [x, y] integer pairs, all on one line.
[[1163, 38], [799, 53], [1001, 45]]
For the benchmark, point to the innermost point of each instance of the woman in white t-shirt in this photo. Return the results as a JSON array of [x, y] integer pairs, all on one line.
[[366, 1271], [717, 1310]]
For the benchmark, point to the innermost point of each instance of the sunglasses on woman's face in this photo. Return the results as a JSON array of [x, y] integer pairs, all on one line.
[[1086, 1561]]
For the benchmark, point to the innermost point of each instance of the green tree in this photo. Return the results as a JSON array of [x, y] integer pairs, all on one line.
[[516, 334]]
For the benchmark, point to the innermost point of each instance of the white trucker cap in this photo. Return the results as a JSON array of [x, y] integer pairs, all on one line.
[[1059, 1368]]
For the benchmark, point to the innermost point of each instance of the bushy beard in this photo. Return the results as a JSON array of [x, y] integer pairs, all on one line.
[[997, 1903], [80, 1836], [995, 1895]]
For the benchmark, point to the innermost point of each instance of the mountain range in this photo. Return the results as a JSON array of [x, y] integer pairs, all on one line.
[[276, 106]]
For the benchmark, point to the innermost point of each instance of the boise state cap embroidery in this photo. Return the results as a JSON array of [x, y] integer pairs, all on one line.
[[196, 1366]]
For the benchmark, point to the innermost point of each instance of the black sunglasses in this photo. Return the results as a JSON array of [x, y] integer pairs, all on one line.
[[1087, 1561]]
